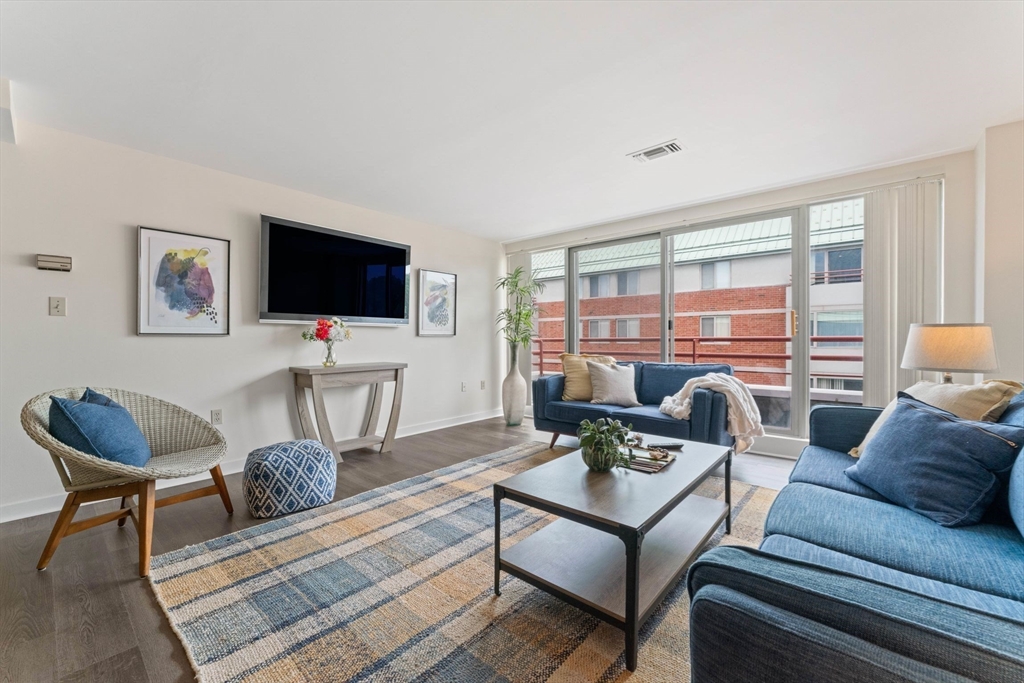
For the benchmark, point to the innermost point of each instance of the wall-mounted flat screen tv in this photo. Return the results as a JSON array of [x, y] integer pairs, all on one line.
[[309, 272]]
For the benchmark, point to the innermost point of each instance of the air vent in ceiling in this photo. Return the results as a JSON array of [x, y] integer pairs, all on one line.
[[656, 152]]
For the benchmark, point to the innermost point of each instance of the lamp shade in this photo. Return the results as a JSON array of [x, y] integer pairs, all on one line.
[[950, 348]]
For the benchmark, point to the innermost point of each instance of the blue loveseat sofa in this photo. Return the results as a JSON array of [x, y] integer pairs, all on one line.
[[653, 382], [849, 587]]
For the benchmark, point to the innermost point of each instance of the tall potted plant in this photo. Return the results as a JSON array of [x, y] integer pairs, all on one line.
[[516, 325]]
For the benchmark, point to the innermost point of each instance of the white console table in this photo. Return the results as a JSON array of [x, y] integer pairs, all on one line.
[[318, 378]]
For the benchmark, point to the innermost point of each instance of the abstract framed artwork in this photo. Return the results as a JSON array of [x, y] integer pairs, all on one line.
[[437, 303], [184, 283]]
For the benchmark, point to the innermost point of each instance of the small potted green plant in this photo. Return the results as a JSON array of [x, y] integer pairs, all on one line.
[[602, 442]]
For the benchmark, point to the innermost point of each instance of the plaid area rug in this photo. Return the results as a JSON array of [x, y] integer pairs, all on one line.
[[395, 584]]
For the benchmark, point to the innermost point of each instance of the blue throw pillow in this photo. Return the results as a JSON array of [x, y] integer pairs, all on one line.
[[98, 425], [936, 464]]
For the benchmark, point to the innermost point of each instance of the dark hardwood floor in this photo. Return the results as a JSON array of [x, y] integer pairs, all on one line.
[[89, 617]]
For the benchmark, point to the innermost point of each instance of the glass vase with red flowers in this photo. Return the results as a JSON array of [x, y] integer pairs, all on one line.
[[329, 332]]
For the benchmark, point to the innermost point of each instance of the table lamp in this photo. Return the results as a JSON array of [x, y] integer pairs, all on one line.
[[949, 348]]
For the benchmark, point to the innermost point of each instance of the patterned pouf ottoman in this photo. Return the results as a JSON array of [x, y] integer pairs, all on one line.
[[288, 477]]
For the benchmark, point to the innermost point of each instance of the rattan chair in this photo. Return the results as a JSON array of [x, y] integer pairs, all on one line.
[[182, 443]]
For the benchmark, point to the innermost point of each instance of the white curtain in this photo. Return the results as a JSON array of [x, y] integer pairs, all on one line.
[[902, 279]]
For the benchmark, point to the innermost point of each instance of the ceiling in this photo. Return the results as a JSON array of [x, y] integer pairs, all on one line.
[[515, 119]]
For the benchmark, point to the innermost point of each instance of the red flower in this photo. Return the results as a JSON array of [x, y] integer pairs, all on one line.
[[323, 329]]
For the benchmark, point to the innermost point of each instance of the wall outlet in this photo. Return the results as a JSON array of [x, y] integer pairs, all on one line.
[[464, 386], [217, 416], [58, 305], [483, 384]]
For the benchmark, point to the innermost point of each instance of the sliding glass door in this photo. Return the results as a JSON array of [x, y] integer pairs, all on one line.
[[778, 296], [615, 303], [733, 302]]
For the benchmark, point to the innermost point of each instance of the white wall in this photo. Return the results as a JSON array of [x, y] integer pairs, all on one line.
[[69, 195], [1001, 208]]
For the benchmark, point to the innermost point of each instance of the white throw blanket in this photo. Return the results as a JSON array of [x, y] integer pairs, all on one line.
[[744, 419]]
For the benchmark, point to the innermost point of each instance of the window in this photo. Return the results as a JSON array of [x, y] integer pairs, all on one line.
[[627, 327], [715, 326], [600, 328], [600, 286], [717, 275], [837, 265], [839, 383], [628, 282], [837, 324]]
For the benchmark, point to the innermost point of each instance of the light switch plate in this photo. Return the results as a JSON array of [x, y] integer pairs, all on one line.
[[58, 305]]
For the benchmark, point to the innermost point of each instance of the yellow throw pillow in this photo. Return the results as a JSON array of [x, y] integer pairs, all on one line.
[[978, 402], [577, 376]]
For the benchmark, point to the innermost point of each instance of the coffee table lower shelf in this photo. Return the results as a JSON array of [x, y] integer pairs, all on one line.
[[587, 567]]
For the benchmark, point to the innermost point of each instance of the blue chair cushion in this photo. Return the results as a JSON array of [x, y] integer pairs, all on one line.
[[983, 557], [659, 380], [288, 477], [936, 464], [97, 425], [793, 548], [578, 411], [650, 419], [825, 467]]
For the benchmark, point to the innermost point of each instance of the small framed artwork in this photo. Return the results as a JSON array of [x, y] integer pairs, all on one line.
[[184, 283], [437, 303]]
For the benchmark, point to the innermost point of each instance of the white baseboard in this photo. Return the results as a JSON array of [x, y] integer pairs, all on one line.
[[40, 506]]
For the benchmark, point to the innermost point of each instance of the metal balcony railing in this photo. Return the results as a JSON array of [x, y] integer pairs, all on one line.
[[545, 352]]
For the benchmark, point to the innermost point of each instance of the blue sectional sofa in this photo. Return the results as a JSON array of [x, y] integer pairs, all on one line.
[[654, 381], [849, 587]]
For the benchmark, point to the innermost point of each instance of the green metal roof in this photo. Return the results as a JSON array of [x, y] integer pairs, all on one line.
[[835, 223]]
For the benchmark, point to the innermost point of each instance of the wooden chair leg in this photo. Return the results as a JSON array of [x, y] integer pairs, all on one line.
[[124, 504], [60, 527], [554, 438], [218, 479], [147, 504]]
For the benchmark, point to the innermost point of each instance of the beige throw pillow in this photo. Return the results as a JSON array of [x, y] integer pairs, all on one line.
[[577, 376], [978, 402], [613, 384]]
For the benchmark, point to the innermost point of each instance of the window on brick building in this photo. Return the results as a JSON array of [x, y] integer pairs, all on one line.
[[627, 327], [831, 266], [715, 326], [599, 286], [717, 275], [837, 324], [628, 282], [599, 328]]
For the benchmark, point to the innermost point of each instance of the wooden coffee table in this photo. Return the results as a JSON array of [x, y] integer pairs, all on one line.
[[578, 557]]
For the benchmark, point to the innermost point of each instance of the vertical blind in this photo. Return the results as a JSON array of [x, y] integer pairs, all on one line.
[[902, 279]]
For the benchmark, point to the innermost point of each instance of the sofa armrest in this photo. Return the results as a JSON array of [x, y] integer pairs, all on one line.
[[546, 389], [709, 418], [734, 637], [841, 428], [949, 637]]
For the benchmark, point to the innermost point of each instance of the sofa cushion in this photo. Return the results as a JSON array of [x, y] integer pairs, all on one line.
[[825, 467], [99, 426], [937, 464], [650, 420], [794, 548], [983, 557], [1016, 494], [577, 411], [1014, 413], [577, 375], [659, 380], [614, 385], [980, 402]]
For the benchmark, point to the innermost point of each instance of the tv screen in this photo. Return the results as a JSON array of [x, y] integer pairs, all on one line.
[[309, 272]]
